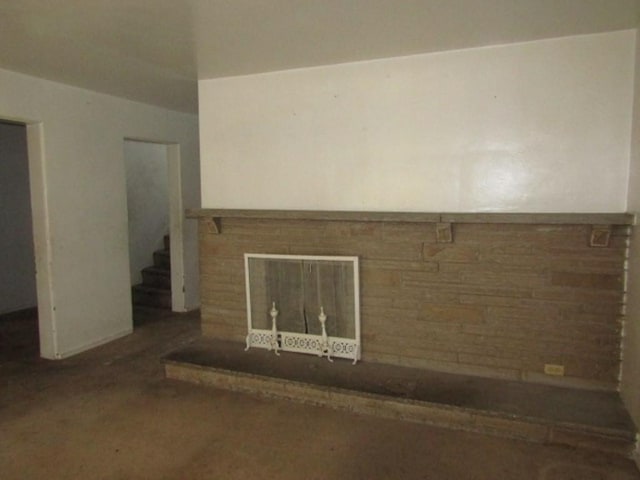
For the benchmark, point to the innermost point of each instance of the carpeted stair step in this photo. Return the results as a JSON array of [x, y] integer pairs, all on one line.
[[162, 259], [156, 277], [147, 296]]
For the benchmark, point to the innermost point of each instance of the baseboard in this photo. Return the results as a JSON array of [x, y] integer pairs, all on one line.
[[20, 313], [89, 346]]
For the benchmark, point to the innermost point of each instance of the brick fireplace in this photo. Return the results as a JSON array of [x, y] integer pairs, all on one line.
[[534, 297]]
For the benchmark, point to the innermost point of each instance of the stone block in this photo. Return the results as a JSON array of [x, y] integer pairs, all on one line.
[[594, 281], [451, 313], [449, 253], [512, 428], [591, 440], [600, 236], [444, 233]]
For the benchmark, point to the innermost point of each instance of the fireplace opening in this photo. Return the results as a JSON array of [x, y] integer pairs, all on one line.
[[301, 303]]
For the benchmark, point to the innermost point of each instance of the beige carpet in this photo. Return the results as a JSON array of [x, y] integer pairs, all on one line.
[[110, 414]]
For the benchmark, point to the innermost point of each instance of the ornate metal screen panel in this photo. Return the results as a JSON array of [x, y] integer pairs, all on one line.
[[303, 303]]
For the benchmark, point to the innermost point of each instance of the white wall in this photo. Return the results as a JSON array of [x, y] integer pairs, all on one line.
[[147, 202], [80, 213], [541, 126], [17, 267], [630, 382]]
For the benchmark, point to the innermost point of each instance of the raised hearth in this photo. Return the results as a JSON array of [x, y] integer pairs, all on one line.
[[538, 413]]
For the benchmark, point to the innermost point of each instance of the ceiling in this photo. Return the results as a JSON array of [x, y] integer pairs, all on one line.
[[154, 51]]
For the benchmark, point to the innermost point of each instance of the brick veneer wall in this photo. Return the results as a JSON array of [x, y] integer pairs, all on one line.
[[500, 300]]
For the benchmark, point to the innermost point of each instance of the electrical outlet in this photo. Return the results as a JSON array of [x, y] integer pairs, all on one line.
[[556, 370]]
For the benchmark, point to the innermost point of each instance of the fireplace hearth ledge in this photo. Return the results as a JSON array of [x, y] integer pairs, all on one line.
[[535, 413]]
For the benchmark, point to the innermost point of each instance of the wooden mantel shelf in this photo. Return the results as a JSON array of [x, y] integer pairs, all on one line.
[[419, 217]]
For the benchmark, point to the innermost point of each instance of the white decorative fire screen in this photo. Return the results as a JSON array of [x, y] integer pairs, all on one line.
[[302, 303]]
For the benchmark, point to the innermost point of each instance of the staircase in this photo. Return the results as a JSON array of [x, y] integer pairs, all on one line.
[[155, 289]]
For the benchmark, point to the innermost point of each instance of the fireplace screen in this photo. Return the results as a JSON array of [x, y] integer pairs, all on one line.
[[307, 304]]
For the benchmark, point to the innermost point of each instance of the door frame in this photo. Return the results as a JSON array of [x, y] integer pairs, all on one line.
[[176, 220]]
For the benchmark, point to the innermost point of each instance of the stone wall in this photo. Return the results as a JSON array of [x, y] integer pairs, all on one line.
[[499, 299]]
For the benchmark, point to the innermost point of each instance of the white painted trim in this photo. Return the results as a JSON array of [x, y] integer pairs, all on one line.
[[176, 222], [303, 257], [248, 292], [97, 343], [42, 241], [176, 229], [356, 307]]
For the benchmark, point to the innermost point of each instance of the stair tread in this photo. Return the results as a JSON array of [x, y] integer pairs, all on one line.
[[149, 289], [157, 270], [162, 259]]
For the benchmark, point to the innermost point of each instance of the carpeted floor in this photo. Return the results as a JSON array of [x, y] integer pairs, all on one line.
[[110, 414]]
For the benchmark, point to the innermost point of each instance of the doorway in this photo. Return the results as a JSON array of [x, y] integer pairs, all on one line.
[[154, 203], [18, 302]]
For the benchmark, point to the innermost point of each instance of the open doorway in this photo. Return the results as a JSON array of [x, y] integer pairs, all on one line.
[[147, 177], [154, 203], [19, 337]]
